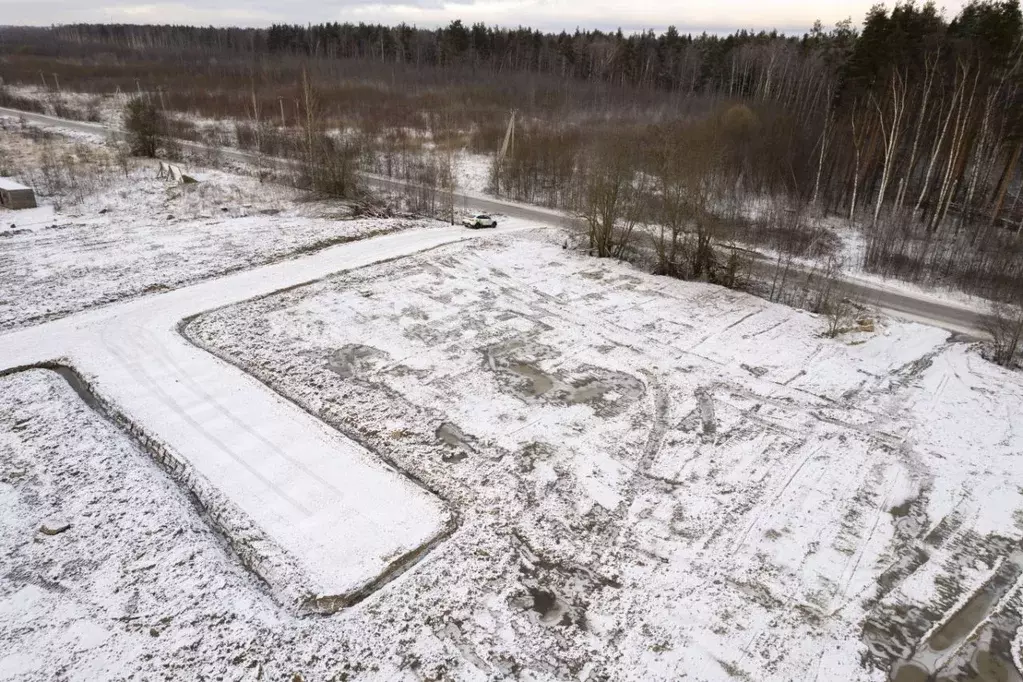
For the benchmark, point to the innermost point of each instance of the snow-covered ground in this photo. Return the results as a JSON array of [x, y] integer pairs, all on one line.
[[473, 173], [644, 479], [660, 478], [107, 109], [97, 108], [318, 518], [143, 234], [138, 587], [650, 479], [138, 566]]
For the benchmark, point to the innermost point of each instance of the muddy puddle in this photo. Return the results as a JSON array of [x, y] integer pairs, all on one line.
[[974, 643], [355, 360], [518, 368], [458, 447], [552, 610], [539, 382], [993, 659]]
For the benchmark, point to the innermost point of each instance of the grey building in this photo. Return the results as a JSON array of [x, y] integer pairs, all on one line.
[[15, 195]]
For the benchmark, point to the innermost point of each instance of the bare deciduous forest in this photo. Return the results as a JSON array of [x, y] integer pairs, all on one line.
[[909, 125]]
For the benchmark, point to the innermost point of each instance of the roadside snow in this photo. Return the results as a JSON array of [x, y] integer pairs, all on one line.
[[106, 108], [853, 256]]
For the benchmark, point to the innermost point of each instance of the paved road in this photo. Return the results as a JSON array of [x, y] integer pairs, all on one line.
[[281, 479], [917, 307], [954, 318]]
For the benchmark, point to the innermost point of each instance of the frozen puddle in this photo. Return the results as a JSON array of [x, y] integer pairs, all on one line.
[[321, 519], [971, 626]]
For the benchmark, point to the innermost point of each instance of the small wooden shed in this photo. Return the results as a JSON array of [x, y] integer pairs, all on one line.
[[15, 195]]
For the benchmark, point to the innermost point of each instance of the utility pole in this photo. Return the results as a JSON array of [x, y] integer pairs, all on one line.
[[509, 137], [509, 144]]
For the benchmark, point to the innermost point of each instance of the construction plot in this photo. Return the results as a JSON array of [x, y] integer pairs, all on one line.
[[588, 473], [108, 566], [657, 478]]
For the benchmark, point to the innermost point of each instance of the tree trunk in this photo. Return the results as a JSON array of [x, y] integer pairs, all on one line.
[[820, 161], [891, 136], [928, 84]]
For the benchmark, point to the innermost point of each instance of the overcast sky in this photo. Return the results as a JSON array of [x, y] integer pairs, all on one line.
[[713, 16]]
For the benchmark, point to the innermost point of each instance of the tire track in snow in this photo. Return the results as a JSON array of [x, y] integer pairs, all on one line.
[[781, 491], [139, 370], [207, 398]]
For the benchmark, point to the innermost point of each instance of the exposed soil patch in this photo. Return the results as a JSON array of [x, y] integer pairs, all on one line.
[[707, 420], [517, 365], [457, 442], [355, 361]]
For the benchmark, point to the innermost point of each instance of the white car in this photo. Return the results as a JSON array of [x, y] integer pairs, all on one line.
[[479, 220]]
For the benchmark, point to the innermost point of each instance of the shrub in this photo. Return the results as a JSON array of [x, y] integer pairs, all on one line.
[[1005, 325], [145, 125]]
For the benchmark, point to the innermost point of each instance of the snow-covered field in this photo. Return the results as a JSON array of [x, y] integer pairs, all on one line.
[[138, 587], [658, 478], [651, 479], [647, 479], [144, 235]]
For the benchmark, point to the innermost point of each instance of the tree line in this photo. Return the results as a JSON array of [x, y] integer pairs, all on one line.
[[671, 61], [904, 113]]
